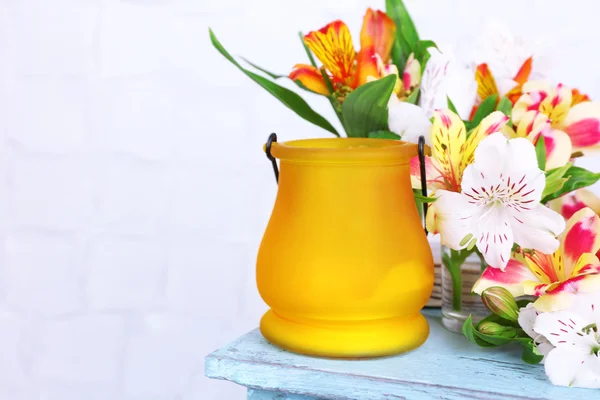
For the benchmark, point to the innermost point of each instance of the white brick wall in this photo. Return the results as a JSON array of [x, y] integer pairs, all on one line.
[[133, 189]]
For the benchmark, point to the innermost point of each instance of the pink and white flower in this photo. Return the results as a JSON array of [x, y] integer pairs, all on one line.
[[533, 125], [567, 112], [498, 205], [555, 278]]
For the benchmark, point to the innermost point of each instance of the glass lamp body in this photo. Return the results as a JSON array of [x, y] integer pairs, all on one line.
[[344, 263]]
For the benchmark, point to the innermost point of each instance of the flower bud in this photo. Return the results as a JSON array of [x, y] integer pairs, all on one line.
[[501, 302], [495, 329], [412, 73]]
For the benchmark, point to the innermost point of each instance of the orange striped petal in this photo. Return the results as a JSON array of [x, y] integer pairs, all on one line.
[[582, 124], [486, 84], [310, 77], [366, 66], [579, 97], [514, 94], [582, 235], [547, 267], [449, 136], [378, 30], [435, 180], [333, 46]]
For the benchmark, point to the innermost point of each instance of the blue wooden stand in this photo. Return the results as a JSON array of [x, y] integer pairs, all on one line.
[[447, 366]]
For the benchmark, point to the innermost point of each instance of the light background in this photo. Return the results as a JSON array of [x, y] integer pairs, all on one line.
[[134, 192]]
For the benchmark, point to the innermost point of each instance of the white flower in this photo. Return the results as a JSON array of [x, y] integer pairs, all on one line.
[[506, 52], [575, 334], [408, 121], [527, 317], [444, 77], [499, 204]]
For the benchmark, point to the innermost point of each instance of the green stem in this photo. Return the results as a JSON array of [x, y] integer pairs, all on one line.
[[453, 263], [456, 289], [327, 82]]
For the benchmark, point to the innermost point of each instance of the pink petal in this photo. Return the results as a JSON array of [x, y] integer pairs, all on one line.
[[512, 278], [582, 124], [570, 206], [558, 148], [581, 236], [434, 176]]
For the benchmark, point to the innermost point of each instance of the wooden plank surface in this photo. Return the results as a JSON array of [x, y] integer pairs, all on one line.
[[447, 366]]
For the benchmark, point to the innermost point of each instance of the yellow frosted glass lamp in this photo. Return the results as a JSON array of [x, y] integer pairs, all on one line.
[[344, 263]]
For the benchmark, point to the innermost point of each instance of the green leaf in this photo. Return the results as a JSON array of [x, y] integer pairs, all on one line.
[[555, 180], [577, 178], [531, 354], [540, 152], [485, 108], [384, 135], [289, 98], [425, 44], [451, 106], [264, 71], [470, 333], [413, 98], [365, 109], [523, 302], [505, 106], [406, 32], [423, 53], [422, 199]]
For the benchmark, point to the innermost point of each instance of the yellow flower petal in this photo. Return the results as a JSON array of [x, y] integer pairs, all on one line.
[[333, 46], [449, 136]]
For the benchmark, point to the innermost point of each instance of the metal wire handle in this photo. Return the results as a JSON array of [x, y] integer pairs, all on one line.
[[421, 151]]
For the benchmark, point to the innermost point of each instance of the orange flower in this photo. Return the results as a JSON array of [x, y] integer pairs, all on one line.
[[333, 46], [487, 86]]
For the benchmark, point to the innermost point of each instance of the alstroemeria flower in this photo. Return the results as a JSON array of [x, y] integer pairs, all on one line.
[[575, 334], [333, 46], [554, 278], [509, 87], [535, 124], [444, 77], [411, 121], [451, 150], [499, 204], [505, 62], [580, 121]]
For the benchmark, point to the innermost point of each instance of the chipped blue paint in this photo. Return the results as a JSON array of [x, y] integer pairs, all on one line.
[[447, 366]]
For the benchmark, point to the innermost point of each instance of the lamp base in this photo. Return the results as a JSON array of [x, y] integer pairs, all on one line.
[[345, 339]]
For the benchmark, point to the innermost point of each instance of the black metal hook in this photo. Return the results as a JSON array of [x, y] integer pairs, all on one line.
[[421, 149], [272, 138]]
